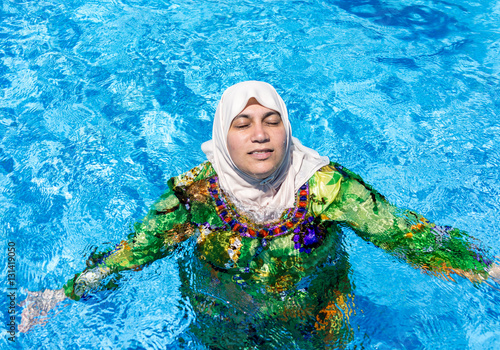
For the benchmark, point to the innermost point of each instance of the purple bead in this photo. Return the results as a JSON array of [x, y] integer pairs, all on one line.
[[296, 238], [310, 238]]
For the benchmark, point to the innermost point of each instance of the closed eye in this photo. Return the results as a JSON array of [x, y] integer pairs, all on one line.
[[240, 126], [272, 118]]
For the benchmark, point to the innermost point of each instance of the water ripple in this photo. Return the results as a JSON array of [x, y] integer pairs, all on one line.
[[101, 102]]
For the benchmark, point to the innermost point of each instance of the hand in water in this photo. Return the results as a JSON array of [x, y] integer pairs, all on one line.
[[495, 272], [37, 306]]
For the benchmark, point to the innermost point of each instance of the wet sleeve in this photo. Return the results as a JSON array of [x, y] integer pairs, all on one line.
[[439, 250], [165, 225]]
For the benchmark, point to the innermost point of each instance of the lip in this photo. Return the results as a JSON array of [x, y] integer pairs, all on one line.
[[261, 153]]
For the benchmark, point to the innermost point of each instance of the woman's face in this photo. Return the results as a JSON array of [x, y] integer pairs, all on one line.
[[256, 140]]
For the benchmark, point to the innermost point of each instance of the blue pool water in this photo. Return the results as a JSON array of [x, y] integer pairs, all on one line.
[[101, 102]]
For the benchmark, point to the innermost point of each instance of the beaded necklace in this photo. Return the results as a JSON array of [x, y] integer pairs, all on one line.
[[290, 220]]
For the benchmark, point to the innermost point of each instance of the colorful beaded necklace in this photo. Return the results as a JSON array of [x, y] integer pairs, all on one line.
[[290, 220]]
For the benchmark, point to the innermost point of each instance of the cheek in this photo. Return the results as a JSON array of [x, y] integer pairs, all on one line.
[[233, 144], [281, 138]]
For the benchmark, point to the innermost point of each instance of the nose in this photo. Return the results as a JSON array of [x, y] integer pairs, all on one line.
[[259, 133]]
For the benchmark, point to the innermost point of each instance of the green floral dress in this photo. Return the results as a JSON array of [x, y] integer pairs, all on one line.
[[247, 276]]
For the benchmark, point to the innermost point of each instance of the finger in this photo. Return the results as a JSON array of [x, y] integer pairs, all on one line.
[[25, 325], [22, 303], [28, 302], [23, 328], [28, 325]]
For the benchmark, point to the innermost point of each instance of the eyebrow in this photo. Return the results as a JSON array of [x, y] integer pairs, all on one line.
[[265, 115]]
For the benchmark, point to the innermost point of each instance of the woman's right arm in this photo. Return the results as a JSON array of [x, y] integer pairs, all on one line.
[[165, 225]]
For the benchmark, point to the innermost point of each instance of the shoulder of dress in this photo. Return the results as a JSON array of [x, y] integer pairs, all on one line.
[[199, 172], [327, 173], [334, 167], [328, 168], [324, 187], [177, 186], [337, 170]]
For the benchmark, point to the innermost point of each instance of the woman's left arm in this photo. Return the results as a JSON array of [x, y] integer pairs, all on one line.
[[439, 250]]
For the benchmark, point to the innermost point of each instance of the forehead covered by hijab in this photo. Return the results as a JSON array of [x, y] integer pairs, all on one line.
[[236, 97]]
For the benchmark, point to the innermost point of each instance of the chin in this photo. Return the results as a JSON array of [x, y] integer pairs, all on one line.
[[263, 173]]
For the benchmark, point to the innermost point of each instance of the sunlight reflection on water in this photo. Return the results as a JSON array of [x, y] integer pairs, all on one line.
[[102, 102]]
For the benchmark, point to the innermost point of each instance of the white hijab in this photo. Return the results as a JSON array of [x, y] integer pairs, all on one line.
[[266, 199]]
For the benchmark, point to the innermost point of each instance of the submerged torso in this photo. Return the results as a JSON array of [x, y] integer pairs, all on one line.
[[293, 267], [257, 274], [274, 255]]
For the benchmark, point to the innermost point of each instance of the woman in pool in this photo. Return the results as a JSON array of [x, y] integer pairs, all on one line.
[[267, 213]]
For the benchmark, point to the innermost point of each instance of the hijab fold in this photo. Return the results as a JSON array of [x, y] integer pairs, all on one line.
[[261, 199]]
